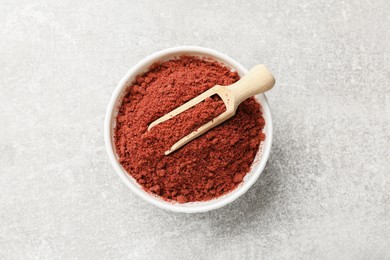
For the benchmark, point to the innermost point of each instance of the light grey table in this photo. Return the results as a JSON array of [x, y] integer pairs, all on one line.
[[325, 193]]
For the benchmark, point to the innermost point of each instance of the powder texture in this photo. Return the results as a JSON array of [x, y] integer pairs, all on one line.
[[209, 166]]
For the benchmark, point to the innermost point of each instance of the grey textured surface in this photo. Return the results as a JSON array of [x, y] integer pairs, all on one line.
[[325, 193]]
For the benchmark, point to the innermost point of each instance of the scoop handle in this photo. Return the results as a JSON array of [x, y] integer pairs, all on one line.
[[256, 81]]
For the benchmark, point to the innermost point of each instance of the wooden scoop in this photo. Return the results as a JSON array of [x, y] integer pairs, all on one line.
[[256, 81]]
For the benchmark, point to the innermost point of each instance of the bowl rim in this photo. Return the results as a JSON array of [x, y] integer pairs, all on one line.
[[176, 207]]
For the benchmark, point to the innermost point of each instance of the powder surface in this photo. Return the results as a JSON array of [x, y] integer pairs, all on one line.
[[209, 166]]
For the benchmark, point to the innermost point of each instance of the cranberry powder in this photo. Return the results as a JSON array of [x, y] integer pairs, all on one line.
[[207, 167]]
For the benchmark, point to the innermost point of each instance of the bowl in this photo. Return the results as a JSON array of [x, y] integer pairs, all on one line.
[[191, 207]]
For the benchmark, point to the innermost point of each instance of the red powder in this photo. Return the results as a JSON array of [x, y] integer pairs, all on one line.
[[209, 166]]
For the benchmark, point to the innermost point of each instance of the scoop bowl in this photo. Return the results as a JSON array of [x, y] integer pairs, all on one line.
[[113, 108]]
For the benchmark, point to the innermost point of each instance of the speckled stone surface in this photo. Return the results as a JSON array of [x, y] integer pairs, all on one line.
[[325, 193]]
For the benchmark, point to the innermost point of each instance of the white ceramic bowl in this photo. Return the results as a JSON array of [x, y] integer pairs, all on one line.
[[116, 100]]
